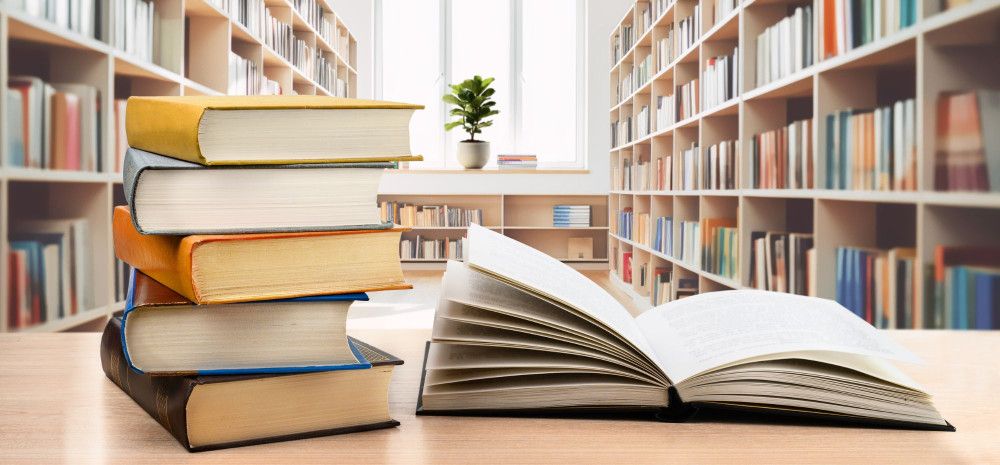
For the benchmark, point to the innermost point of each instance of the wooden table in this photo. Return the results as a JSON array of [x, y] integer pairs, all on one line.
[[57, 406]]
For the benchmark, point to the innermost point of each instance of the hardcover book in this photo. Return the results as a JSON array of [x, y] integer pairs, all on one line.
[[215, 269], [531, 335], [164, 333], [170, 196], [214, 412], [269, 130]]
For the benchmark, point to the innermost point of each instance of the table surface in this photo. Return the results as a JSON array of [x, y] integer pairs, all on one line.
[[57, 406]]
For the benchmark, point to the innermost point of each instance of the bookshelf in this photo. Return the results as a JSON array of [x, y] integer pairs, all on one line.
[[524, 217], [194, 39], [943, 50]]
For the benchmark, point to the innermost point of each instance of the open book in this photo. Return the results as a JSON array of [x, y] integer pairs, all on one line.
[[517, 331]]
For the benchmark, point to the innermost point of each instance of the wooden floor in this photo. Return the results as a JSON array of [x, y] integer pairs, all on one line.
[[414, 308]]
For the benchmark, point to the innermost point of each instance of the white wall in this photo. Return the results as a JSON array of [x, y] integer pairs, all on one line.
[[602, 16]]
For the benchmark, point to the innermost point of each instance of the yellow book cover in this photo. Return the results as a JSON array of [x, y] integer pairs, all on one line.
[[263, 130]]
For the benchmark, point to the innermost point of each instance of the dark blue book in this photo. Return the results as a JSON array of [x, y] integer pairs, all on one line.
[[164, 333]]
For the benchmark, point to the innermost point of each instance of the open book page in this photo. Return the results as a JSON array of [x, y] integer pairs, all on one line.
[[711, 330], [526, 267]]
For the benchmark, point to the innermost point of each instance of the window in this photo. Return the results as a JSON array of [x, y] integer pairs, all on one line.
[[533, 49]]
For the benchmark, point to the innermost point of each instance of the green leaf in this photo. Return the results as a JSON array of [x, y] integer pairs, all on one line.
[[452, 125], [448, 98]]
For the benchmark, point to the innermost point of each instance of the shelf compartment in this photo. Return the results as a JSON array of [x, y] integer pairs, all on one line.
[[536, 210], [556, 242]]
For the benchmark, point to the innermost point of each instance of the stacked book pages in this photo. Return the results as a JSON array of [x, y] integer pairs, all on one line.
[[517, 162], [571, 216], [251, 227]]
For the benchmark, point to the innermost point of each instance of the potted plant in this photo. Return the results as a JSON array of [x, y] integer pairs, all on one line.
[[473, 105]]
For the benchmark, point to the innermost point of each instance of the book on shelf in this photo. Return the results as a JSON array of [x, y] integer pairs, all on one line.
[[849, 24], [786, 46], [278, 35], [872, 149], [166, 334], [170, 196], [423, 248], [16, 134], [571, 216], [783, 158], [668, 287], [779, 261], [878, 285], [121, 138], [719, 167], [626, 272], [409, 215], [83, 17], [663, 236], [245, 77], [517, 162], [666, 362], [249, 14], [965, 293], [721, 9], [663, 173], [688, 30], [967, 155], [720, 80], [135, 23], [641, 228], [218, 411], [621, 42], [689, 167], [690, 243], [642, 125], [687, 100], [49, 265], [720, 253], [623, 227], [209, 269], [59, 125], [236, 130], [666, 111], [664, 47]]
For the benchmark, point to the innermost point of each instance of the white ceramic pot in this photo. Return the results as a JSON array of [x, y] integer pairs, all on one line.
[[473, 155]]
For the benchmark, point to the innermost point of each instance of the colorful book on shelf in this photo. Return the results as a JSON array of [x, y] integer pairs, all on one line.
[[210, 269], [257, 408], [664, 363], [34, 100], [16, 128], [266, 130], [968, 146], [170, 196], [166, 334], [957, 272]]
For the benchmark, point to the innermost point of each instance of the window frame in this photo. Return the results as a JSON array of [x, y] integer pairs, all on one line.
[[516, 44]]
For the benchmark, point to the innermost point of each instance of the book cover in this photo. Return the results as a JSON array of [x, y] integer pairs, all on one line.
[[170, 125]]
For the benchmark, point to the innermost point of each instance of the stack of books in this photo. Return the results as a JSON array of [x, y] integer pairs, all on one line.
[[434, 216], [571, 216], [250, 228], [517, 162]]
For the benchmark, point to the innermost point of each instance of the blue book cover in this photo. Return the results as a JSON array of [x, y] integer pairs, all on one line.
[[985, 300], [960, 302], [838, 278], [362, 362], [842, 155]]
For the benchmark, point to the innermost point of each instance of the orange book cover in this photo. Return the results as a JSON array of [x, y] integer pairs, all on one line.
[[829, 28], [171, 259]]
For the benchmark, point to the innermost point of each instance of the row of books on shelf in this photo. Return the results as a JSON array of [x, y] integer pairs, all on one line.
[[720, 165], [80, 16], [50, 275], [622, 132], [872, 149], [642, 124], [786, 46], [53, 125], [621, 42], [720, 249], [690, 158], [721, 79], [782, 262], [666, 286], [666, 111], [783, 158], [664, 48], [571, 216], [623, 224], [643, 175], [688, 30], [246, 78], [722, 9], [640, 73], [687, 100], [967, 155], [250, 14], [278, 36], [663, 236], [422, 248], [517, 162], [409, 215], [963, 288], [878, 285], [848, 24]]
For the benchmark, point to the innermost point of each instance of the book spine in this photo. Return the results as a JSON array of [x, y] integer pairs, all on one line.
[[163, 397]]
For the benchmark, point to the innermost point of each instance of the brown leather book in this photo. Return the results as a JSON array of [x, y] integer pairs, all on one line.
[[215, 412], [215, 269]]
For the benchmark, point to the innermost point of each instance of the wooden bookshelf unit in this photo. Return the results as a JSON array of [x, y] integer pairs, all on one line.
[[527, 218], [194, 38], [944, 50]]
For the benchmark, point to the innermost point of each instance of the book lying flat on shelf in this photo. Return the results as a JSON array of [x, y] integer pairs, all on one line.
[[164, 333], [211, 269], [268, 130], [214, 412], [533, 336], [169, 196]]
